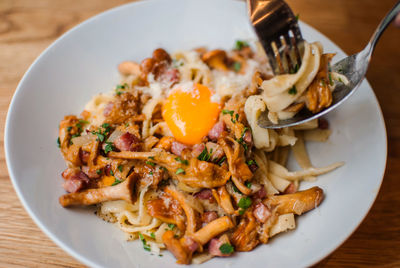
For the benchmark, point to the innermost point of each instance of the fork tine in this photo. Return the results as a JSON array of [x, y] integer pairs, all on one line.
[[290, 54], [277, 47]]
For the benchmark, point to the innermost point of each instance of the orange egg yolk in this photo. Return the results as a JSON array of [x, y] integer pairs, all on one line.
[[190, 114]]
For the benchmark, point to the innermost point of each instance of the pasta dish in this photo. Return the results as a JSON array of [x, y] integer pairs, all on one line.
[[173, 155]]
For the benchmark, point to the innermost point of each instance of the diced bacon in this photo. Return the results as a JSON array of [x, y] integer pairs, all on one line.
[[190, 244], [290, 189], [197, 149], [261, 212], [205, 194], [84, 156], [216, 131], [107, 110], [177, 148], [127, 142], [213, 248], [75, 180], [209, 216], [253, 167], [215, 150], [90, 173], [261, 193], [107, 170], [248, 138], [170, 76], [73, 186]]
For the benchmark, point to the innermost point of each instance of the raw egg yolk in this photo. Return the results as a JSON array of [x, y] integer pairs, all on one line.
[[190, 114]]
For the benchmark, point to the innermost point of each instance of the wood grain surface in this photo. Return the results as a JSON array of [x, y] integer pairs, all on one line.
[[27, 27]]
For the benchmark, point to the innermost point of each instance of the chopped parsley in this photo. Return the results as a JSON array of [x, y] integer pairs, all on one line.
[[151, 157], [180, 171], [151, 173], [119, 87], [204, 156], [322, 83], [150, 163], [120, 168], [330, 79], [340, 80], [227, 112], [153, 235], [163, 168], [239, 45], [221, 161], [171, 226], [297, 17], [235, 189], [251, 162], [58, 142], [248, 184], [69, 128], [226, 248], [108, 148], [237, 66], [117, 181], [98, 171], [244, 202], [111, 172], [241, 139], [293, 91], [241, 211], [102, 134], [80, 124], [185, 162], [145, 245]]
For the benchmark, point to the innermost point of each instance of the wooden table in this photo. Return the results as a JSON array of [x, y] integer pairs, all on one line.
[[27, 27]]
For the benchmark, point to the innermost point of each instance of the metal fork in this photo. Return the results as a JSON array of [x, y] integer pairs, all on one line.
[[353, 67], [279, 34]]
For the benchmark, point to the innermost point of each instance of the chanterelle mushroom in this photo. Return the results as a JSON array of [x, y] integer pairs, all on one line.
[[122, 191], [216, 59]]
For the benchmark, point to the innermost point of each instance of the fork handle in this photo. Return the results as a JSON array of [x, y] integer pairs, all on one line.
[[382, 26]]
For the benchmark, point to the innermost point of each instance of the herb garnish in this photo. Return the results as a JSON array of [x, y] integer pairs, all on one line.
[[248, 184], [237, 66], [58, 142], [185, 162], [145, 245], [180, 171], [330, 79], [150, 163], [120, 168], [251, 162], [297, 17], [119, 87], [227, 112], [293, 90], [239, 45], [109, 147], [204, 156], [244, 202], [101, 135], [226, 248], [153, 235], [98, 171], [171, 226], [221, 161], [117, 181]]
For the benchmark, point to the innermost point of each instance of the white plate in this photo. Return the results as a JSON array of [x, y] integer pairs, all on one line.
[[83, 62]]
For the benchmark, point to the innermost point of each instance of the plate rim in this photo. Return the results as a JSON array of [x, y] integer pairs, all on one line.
[[77, 255]]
